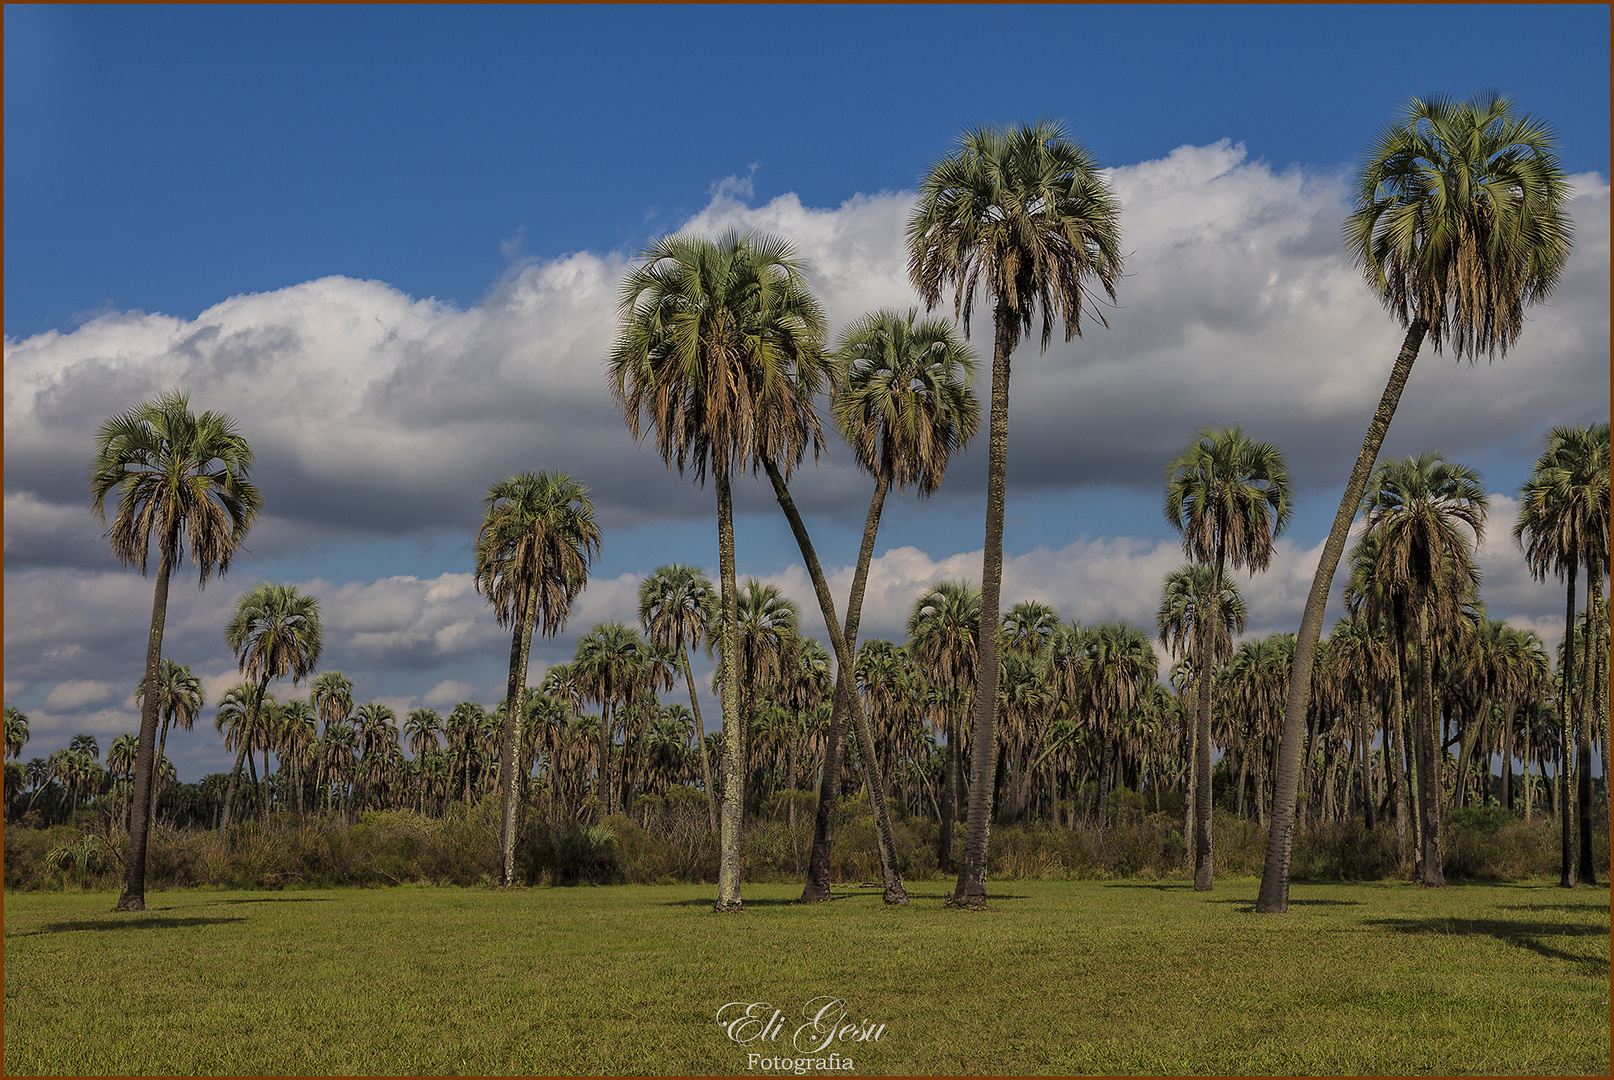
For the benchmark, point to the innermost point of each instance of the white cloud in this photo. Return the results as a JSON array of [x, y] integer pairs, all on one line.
[[80, 692]]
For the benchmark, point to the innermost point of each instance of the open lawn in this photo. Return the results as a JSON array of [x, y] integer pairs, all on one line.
[[1061, 977]]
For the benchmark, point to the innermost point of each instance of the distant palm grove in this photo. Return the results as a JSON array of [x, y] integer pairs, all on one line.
[[1417, 736]]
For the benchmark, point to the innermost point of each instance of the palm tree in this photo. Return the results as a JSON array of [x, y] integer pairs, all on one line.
[[298, 736], [179, 702], [1459, 225], [1563, 525], [120, 761], [16, 731], [713, 333], [1428, 514], [904, 404], [1191, 607], [180, 479], [1028, 211], [944, 631], [274, 634], [1229, 497], [676, 607], [421, 728], [533, 553], [611, 669]]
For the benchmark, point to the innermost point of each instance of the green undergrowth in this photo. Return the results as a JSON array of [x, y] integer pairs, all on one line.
[[1120, 977], [667, 840]]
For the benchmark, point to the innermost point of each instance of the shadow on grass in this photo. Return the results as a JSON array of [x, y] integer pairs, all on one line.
[[279, 900], [1249, 906], [145, 922], [874, 895], [1521, 934]]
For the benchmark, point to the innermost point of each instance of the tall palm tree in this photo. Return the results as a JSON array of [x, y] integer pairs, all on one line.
[[713, 334], [274, 634], [944, 631], [1191, 607], [537, 541], [421, 728], [298, 737], [676, 606], [179, 702], [180, 479], [1428, 514], [1563, 525], [1025, 212], [120, 761], [904, 403], [1458, 226], [1229, 497]]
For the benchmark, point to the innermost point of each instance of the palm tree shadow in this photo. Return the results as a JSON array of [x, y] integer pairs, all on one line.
[[1523, 935], [143, 923], [279, 900], [1249, 907]]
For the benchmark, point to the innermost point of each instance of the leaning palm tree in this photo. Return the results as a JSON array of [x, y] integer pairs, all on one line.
[[904, 403], [533, 552], [1563, 525], [1459, 225], [16, 731], [179, 701], [676, 607], [713, 334], [274, 634], [180, 479], [1025, 212]]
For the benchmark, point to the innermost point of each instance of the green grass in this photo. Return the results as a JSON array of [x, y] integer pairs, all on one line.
[[1060, 977]]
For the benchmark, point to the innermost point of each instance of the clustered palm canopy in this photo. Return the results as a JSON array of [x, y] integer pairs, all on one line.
[[676, 606], [1459, 220], [1416, 547], [183, 478], [903, 399], [1026, 212], [538, 532], [1564, 505], [1186, 597], [275, 633], [1228, 495], [722, 351]]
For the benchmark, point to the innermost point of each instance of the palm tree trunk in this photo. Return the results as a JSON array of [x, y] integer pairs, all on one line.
[[829, 780], [156, 780], [509, 748], [1367, 788], [949, 804], [1191, 789], [700, 737], [895, 892], [133, 896], [971, 888], [1428, 758], [1202, 725], [1566, 703], [1583, 730], [1274, 896], [728, 866]]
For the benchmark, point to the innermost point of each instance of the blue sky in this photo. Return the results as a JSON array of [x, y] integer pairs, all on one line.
[[386, 239]]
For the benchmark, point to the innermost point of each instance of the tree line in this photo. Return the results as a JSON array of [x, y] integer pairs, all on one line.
[[721, 355]]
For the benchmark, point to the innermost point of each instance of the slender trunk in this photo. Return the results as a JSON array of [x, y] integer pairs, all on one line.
[[1583, 730], [1367, 788], [829, 780], [1529, 780], [949, 805], [510, 745], [1105, 752], [157, 777], [728, 866], [700, 737], [1428, 760], [971, 888], [1468, 735], [133, 896], [895, 893], [1202, 726], [1507, 757], [1566, 706], [1274, 896], [1190, 806], [1395, 763]]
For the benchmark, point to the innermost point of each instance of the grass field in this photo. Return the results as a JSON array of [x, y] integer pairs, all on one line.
[[1060, 977]]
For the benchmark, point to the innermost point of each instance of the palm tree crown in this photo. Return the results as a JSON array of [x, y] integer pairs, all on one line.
[[1024, 211], [1229, 497], [1459, 220], [904, 400], [721, 350]]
